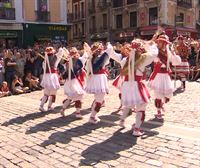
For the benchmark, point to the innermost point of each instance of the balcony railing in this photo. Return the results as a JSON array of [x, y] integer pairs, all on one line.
[[103, 4], [184, 3], [42, 16], [7, 13], [129, 2], [118, 3]]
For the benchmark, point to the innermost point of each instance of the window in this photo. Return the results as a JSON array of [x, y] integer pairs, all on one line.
[[133, 19], [153, 16], [93, 23], [117, 3], [119, 21], [82, 10], [76, 11], [83, 28], [184, 3], [131, 2], [199, 15], [104, 21], [42, 5]]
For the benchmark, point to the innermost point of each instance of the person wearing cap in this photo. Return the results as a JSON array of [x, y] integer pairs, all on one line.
[[97, 81], [182, 70], [134, 92], [160, 80], [74, 76], [50, 80]]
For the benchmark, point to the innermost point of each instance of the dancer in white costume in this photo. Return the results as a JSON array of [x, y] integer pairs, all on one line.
[[160, 80], [134, 92], [50, 80], [183, 70], [97, 82], [75, 81]]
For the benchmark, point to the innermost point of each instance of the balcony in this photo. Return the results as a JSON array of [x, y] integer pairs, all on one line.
[[184, 3], [118, 3], [7, 13], [130, 2], [103, 4], [42, 16]]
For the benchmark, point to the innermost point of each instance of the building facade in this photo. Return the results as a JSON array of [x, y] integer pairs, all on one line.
[[44, 20], [11, 28], [23, 22], [77, 18], [122, 20]]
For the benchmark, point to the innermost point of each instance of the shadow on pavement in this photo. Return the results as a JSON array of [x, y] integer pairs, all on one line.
[[55, 123], [108, 149], [66, 136], [178, 91], [32, 116], [150, 125]]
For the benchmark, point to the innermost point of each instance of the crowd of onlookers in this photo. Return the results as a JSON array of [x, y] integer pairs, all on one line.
[[21, 69]]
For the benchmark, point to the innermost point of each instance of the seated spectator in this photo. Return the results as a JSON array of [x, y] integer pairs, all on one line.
[[195, 73], [31, 82], [18, 87], [5, 89]]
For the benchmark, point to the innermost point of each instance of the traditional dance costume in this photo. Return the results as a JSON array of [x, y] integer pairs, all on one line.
[[97, 82], [50, 80], [75, 81], [134, 92], [160, 81], [183, 69]]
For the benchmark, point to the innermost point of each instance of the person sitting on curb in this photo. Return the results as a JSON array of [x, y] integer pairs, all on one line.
[[5, 89]]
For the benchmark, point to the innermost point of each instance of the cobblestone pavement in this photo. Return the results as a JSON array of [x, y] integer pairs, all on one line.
[[29, 138]]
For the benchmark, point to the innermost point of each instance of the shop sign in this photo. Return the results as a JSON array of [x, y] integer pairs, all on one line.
[[183, 33], [57, 28], [126, 34], [146, 33], [8, 34]]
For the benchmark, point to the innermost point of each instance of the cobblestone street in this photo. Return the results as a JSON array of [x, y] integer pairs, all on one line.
[[29, 138]]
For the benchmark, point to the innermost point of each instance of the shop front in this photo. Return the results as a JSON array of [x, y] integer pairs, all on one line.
[[124, 36], [44, 33], [10, 35], [148, 32]]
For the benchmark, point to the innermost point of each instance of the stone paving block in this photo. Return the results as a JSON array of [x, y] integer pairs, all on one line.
[[152, 156], [26, 165], [154, 162], [55, 155], [65, 159], [17, 160]]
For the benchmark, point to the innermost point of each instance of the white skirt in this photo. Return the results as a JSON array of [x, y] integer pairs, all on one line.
[[73, 89], [97, 83], [183, 68], [50, 81], [131, 95], [162, 85]]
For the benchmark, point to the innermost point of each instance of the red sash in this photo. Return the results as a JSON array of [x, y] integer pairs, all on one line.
[[144, 93], [102, 71], [158, 69], [81, 78]]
